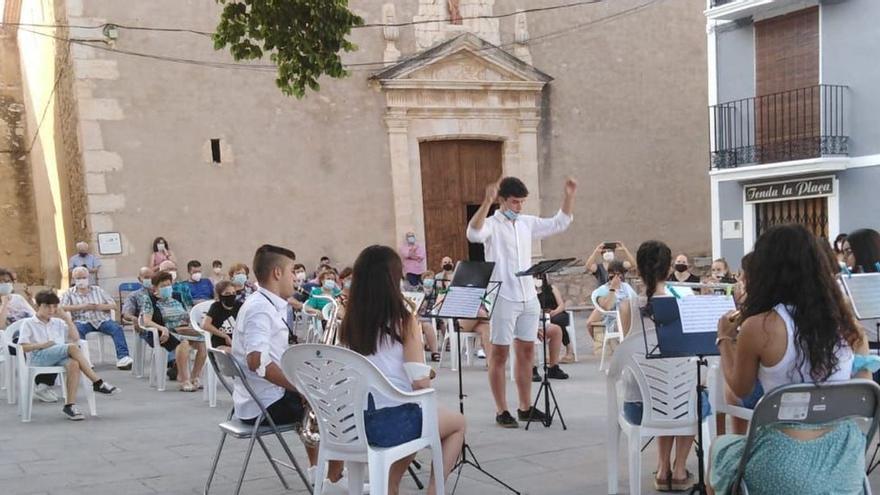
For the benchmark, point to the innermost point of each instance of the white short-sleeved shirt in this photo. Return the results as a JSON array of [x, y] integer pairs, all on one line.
[[509, 245], [35, 331], [261, 327], [17, 309]]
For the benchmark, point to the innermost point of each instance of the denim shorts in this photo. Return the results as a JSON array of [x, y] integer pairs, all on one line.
[[53, 356], [752, 400], [633, 411]]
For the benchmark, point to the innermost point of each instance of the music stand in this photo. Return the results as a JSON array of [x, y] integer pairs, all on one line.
[[693, 338], [542, 269], [469, 291], [863, 291]]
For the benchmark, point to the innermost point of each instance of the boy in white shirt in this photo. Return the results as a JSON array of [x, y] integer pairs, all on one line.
[[54, 341]]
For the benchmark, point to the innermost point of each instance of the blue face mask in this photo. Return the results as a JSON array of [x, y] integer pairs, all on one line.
[[239, 279], [510, 214], [329, 284], [428, 282], [147, 283], [165, 292]]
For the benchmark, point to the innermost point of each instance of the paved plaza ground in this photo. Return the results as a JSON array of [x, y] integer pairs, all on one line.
[[145, 442]]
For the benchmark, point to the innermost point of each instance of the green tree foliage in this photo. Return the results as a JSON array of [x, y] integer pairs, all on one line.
[[303, 37]]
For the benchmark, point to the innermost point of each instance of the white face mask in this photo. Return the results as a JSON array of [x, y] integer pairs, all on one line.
[[608, 256], [301, 276], [160, 246], [81, 283], [6, 288], [173, 275], [539, 283], [196, 276], [218, 271]]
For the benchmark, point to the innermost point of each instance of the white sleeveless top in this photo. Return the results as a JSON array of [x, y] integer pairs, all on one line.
[[784, 372], [389, 359]]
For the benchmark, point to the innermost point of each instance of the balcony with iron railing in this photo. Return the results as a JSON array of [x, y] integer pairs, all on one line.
[[790, 125], [731, 10]]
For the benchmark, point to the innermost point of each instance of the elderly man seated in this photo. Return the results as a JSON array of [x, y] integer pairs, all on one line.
[[90, 307]]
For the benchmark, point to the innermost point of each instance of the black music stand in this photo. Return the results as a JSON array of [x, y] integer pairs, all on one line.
[[674, 342], [542, 269], [469, 291]]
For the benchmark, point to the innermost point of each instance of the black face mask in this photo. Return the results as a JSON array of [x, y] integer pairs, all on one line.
[[681, 268], [448, 267], [227, 300]]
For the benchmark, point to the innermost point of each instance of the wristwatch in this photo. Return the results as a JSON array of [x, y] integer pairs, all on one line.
[[719, 340]]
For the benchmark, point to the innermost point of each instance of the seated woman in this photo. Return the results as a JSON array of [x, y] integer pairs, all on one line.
[[611, 294], [796, 328], [861, 254], [220, 319], [175, 332], [379, 325], [238, 274], [428, 287], [328, 290], [549, 298]]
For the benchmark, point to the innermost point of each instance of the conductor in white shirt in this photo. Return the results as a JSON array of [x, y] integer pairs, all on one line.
[[507, 236]]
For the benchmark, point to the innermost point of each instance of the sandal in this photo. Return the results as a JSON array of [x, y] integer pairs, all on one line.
[[435, 357], [662, 485], [681, 484], [197, 384], [187, 387]]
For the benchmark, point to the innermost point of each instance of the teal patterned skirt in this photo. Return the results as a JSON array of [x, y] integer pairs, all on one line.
[[829, 465]]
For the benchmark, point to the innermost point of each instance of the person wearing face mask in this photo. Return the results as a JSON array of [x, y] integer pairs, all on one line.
[[161, 252], [329, 288], [681, 271], [603, 255], [507, 237], [133, 305], [414, 259], [444, 276], [220, 318], [13, 307], [238, 275], [179, 287], [200, 287], [84, 258], [90, 307], [217, 272]]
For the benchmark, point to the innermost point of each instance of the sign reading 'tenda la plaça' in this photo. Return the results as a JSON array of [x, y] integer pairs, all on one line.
[[811, 187]]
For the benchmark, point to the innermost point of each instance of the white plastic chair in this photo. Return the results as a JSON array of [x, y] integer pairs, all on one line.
[[336, 383], [159, 357], [7, 360], [716, 387], [101, 339], [26, 374], [572, 334], [196, 315], [613, 331], [450, 338], [669, 398]]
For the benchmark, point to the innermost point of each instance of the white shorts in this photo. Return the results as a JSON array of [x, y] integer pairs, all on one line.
[[515, 320]]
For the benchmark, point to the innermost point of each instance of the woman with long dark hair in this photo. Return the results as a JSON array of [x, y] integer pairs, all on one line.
[[861, 251], [796, 328], [379, 325]]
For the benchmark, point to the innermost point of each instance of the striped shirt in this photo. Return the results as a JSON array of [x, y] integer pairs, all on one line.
[[95, 295]]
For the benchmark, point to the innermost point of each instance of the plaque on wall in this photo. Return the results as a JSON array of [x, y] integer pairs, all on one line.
[[109, 243], [810, 187]]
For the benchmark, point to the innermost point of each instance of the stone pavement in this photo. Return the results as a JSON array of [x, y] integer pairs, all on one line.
[[146, 442]]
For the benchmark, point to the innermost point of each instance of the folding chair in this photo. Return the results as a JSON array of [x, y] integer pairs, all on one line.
[[228, 370], [812, 404]]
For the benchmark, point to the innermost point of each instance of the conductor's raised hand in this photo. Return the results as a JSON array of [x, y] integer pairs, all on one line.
[[571, 186], [492, 192]]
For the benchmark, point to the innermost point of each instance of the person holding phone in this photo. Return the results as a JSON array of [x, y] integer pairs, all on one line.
[[161, 252]]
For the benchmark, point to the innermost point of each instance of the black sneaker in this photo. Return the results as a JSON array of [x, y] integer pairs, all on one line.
[[536, 377], [72, 413], [556, 373], [505, 420], [171, 372], [534, 413], [103, 387]]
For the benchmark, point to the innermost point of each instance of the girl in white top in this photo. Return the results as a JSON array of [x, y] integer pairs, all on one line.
[[379, 325]]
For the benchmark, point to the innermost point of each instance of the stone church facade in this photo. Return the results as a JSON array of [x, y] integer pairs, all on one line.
[[214, 158]]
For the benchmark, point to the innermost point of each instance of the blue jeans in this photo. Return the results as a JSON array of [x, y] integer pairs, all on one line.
[[110, 328]]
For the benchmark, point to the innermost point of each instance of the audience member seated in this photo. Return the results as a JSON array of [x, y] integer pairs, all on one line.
[[796, 327], [161, 252], [13, 307], [133, 306], [238, 274], [320, 296], [444, 276], [165, 313], [414, 260], [861, 251], [220, 319], [323, 264], [217, 272], [179, 287], [259, 339], [552, 305], [682, 271], [91, 309], [428, 285], [719, 274], [380, 326], [610, 295], [52, 339], [599, 269], [200, 288], [85, 259]]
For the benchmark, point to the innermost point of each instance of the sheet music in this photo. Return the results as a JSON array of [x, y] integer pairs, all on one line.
[[700, 314], [462, 302], [864, 291]]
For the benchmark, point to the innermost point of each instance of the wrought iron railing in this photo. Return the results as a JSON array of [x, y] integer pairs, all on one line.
[[790, 125]]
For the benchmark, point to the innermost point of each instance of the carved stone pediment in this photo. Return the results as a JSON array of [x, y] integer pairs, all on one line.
[[463, 66]]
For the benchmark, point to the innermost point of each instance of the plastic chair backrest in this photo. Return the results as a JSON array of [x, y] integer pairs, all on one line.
[[336, 382], [812, 404], [7, 336], [668, 388]]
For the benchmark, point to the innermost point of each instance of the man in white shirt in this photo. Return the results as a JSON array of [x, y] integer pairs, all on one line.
[[507, 236], [52, 341], [260, 338]]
